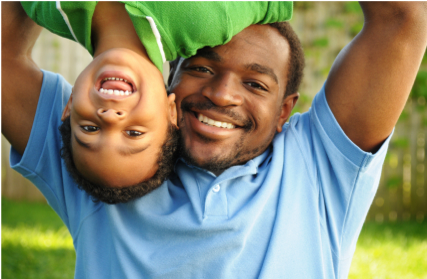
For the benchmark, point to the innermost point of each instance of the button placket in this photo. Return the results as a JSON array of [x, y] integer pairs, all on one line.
[[216, 202], [216, 188]]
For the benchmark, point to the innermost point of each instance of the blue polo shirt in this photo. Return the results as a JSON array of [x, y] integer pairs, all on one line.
[[295, 211]]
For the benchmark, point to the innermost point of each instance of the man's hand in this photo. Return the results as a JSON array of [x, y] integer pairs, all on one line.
[[371, 78], [21, 78]]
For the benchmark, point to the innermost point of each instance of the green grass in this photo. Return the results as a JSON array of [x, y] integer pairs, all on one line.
[[35, 244], [393, 250]]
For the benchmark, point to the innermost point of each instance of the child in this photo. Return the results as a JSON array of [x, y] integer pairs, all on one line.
[[119, 125]]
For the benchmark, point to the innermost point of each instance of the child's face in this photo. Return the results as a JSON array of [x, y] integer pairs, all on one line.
[[116, 137]]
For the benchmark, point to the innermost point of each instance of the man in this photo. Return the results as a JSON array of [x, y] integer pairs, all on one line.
[[248, 202]]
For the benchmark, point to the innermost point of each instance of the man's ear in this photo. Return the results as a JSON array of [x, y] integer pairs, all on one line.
[[286, 109], [67, 110], [172, 109]]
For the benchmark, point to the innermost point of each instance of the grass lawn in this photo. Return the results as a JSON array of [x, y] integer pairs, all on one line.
[[35, 244]]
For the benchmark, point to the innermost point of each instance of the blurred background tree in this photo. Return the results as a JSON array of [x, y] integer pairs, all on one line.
[[324, 29]]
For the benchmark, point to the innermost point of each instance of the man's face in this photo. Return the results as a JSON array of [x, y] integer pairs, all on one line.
[[230, 98], [119, 115]]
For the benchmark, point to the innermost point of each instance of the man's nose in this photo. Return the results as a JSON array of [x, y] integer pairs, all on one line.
[[224, 90], [111, 115]]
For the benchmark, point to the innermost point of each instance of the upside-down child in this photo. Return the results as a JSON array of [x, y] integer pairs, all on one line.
[[119, 125]]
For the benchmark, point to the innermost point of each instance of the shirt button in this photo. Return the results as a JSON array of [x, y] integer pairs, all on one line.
[[216, 188]]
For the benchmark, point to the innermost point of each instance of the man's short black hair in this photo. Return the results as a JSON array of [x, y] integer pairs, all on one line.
[[166, 160], [296, 58]]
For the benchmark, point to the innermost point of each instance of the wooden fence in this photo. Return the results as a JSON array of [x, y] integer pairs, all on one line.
[[324, 29]]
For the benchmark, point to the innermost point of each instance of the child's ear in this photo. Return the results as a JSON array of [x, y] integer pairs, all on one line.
[[172, 109], [67, 110]]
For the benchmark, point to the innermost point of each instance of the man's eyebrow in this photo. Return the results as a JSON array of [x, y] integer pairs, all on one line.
[[209, 54], [263, 70]]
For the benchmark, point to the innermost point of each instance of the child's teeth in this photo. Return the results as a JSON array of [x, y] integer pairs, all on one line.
[[115, 92]]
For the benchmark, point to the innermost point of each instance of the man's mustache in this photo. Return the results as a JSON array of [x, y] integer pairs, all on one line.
[[208, 105]]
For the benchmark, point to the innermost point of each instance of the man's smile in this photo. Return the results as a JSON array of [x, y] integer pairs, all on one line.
[[209, 131], [209, 121]]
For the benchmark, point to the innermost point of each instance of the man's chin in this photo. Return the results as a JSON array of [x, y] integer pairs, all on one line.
[[213, 162]]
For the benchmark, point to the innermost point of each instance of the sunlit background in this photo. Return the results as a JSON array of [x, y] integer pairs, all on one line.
[[393, 242]]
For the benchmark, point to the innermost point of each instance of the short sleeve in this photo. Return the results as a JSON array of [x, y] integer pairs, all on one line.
[[346, 177]]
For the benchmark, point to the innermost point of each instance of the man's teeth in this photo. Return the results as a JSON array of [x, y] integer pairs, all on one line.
[[115, 92], [212, 122]]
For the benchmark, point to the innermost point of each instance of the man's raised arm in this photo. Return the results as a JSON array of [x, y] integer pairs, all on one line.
[[371, 78], [21, 78]]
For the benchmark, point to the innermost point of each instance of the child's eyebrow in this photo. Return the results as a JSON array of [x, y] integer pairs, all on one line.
[[83, 144], [122, 151], [132, 150]]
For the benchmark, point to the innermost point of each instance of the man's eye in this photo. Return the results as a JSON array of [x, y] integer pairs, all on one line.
[[133, 133], [89, 128], [256, 85]]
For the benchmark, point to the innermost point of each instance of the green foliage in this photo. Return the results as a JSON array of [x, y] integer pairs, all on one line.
[[35, 242], [420, 85], [403, 116], [391, 250], [399, 142], [321, 42], [334, 23], [356, 28], [394, 181], [352, 8], [303, 5]]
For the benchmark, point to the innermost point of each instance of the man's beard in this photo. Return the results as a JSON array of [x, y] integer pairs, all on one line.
[[238, 155]]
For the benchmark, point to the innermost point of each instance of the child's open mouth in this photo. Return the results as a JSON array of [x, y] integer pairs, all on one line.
[[116, 86]]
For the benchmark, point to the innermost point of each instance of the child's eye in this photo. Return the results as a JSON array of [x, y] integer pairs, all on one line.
[[133, 133], [89, 128], [201, 69]]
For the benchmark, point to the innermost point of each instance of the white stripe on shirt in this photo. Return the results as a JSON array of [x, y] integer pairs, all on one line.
[[158, 37], [64, 15]]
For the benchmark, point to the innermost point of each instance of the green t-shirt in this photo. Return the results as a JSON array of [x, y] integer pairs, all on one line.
[[166, 29]]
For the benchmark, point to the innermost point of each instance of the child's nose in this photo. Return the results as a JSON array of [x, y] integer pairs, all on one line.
[[111, 115]]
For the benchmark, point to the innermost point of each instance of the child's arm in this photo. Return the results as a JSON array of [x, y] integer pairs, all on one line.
[[21, 77]]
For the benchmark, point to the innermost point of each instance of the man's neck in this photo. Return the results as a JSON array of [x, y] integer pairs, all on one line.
[[113, 28]]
